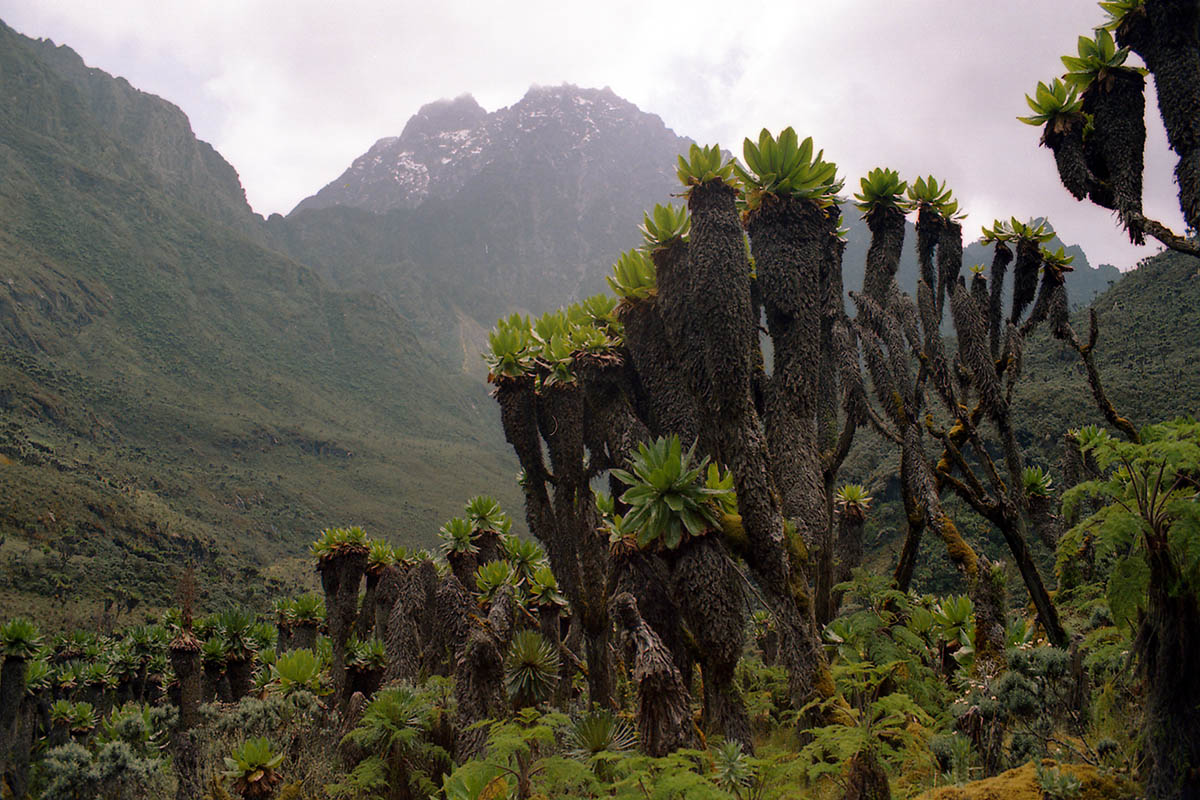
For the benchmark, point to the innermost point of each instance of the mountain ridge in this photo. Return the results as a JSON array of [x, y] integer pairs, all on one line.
[[182, 379]]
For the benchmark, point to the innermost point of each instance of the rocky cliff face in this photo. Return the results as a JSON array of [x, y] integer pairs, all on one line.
[[467, 215], [157, 133], [450, 142]]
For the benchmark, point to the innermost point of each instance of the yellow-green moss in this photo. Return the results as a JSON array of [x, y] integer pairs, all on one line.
[[960, 552], [735, 533], [1021, 784]]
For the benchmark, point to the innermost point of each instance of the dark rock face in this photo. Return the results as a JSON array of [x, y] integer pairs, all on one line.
[[523, 207], [450, 142]]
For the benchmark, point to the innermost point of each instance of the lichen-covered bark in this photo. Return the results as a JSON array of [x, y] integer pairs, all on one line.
[[989, 599], [664, 718]]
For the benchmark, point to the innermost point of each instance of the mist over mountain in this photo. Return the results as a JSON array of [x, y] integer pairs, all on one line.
[[180, 377]]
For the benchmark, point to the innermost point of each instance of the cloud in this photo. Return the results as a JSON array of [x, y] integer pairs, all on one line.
[[291, 92]]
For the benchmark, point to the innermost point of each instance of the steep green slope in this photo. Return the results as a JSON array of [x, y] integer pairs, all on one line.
[[1147, 354], [170, 388]]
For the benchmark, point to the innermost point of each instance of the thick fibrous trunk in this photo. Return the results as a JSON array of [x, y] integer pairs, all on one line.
[[213, 674], [241, 677], [647, 577], [386, 594], [304, 636], [887, 224], [479, 675], [20, 751], [929, 226], [1001, 257], [1117, 104], [989, 599], [718, 299], [789, 240], [721, 289], [849, 552], [685, 335], [184, 652], [714, 607], [1164, 33], [1025, 277], [1067, 145], [463, 565], [447, 620], [410, 609], [949, 259], [12, 687], [366, 614], [671, 408], [560, 416], [867, 779], [664, 719], [341, 575], [1045, 522], [1168, 647], [567, 526]]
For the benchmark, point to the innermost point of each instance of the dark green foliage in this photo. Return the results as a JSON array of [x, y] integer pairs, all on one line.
[[530, 668], [667, 496], [398, 755]]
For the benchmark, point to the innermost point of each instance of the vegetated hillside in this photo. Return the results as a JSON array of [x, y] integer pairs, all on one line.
[[170, 388], [1147, 351], [1148, 346], [172, 364]]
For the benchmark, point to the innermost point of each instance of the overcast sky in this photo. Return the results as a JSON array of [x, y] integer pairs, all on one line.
[[291, 92]]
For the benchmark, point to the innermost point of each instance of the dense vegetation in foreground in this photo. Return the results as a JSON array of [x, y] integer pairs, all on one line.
[[704, 629]]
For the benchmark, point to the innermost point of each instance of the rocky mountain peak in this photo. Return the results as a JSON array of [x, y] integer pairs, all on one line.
[[441, 116], [448, 142]]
